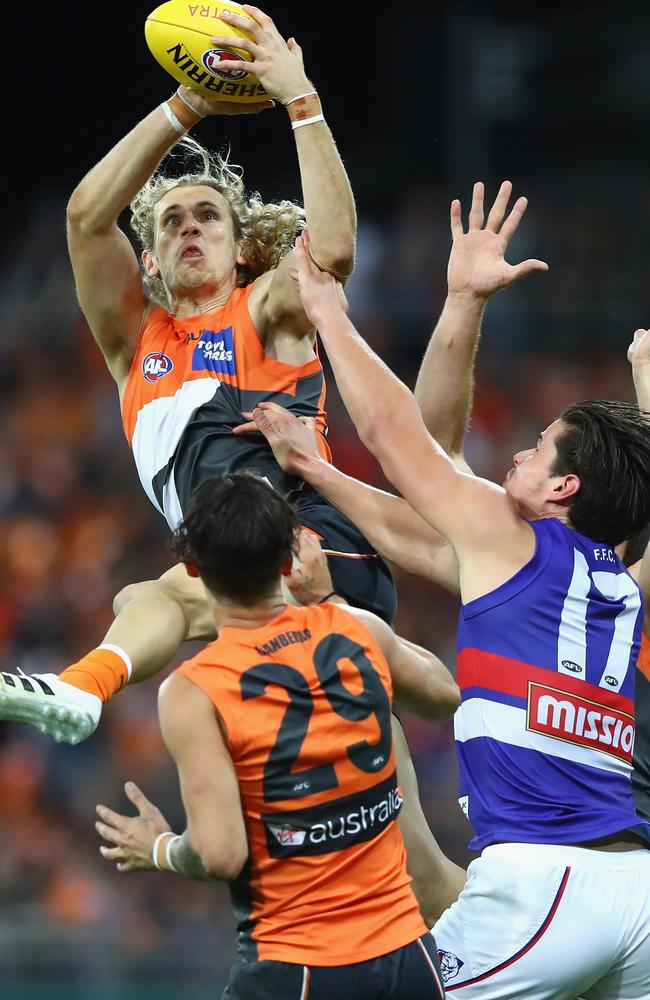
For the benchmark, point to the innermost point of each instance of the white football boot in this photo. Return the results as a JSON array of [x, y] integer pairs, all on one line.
[[57, 709]]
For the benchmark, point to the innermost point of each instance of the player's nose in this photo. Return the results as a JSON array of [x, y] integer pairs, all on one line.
[[521, 456], [190, 228]]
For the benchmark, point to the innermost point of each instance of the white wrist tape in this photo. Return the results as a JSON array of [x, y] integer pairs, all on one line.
[[307, 121], [172, 119], [154, 849], [310, 93], [168, 853], [187, 104]]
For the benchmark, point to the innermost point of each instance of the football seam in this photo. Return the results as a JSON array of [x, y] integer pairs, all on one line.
[[186, 27]]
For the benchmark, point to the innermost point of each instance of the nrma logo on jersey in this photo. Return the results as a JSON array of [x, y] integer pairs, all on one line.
[[215, 352], [333, 826], [156, 365], [573, 719]]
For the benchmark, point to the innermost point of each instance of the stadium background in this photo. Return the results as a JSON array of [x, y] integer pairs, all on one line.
[[422, 102]]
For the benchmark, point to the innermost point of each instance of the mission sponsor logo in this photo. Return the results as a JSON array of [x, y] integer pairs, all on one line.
[[156, 365], [215, 352], [580, 721], [334, 826]]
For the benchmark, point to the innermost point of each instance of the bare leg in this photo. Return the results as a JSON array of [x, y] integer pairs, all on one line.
[[152, 620], [437, 881]]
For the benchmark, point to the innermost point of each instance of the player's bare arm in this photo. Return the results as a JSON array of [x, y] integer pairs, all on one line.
[[476, 516], [275, 303], [388, 521], [436, 881], [639, 357], [106, 269], [421, 681], [214, 845], [477, 269]]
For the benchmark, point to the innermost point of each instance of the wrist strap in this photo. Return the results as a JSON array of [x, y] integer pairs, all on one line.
[[307, 121], [154, 849], [187, 104], [332, 593], [168, 853], [172, 119], [310, 93]]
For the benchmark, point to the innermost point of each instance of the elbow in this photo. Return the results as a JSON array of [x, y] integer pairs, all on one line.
[[82, 216], [336, 255], [224, 863], [381, 431], [451, 700], [446, 703], [76, 209]]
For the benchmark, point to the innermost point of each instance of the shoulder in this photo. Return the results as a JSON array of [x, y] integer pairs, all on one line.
[[363, 622]]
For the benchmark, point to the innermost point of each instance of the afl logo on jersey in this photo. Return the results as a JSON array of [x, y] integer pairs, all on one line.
[[575, 668], [156, 365]]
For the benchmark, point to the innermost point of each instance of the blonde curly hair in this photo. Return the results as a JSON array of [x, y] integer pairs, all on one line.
[[266, 231]]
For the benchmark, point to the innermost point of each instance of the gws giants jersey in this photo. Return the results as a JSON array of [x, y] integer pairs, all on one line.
[[546, 663], [190, 381], [306, 700]]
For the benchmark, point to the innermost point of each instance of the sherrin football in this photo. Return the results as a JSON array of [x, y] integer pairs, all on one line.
[[178, 35]]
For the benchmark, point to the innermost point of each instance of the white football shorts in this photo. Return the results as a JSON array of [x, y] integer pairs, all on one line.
[[549, 923]]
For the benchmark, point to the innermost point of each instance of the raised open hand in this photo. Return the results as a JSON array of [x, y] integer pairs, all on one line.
[[477, 265]]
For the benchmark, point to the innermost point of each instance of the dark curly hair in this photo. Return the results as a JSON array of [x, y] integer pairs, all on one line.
[[238, 532]]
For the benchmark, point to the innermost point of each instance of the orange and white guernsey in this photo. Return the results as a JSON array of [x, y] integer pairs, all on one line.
[[306, 704], [190, 381]]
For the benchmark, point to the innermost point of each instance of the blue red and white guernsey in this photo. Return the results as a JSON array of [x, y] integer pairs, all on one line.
[[545, 731]]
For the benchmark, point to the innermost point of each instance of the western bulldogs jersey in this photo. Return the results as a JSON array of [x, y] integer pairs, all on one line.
[[189, 384], [641, 773], [546, 664]]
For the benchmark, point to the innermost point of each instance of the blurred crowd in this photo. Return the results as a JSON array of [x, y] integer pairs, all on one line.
[[75, 527]]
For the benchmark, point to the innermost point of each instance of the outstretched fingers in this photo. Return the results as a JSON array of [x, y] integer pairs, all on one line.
[[498, 210], [137, 797], [456, 219], [511, 224], [527, 267], [476, 209]]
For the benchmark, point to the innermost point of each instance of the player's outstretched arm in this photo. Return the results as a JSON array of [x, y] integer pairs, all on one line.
[[214, 845], [436, 881], [639, 356], [327, 195], [389, 523], [477, 269], [421, 681], [106, 269], [475, 515]]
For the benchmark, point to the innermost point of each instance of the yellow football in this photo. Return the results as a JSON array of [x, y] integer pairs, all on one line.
[[178, 35]]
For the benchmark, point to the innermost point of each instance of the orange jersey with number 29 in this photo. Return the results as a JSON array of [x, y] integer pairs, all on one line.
[[306, 702]]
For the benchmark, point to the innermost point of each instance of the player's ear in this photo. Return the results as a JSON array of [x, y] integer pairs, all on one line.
[[150, 264], [566, 487], [192, 569]]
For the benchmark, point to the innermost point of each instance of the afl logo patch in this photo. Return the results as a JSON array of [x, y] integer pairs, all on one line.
[[216, 62], [156, 365]]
